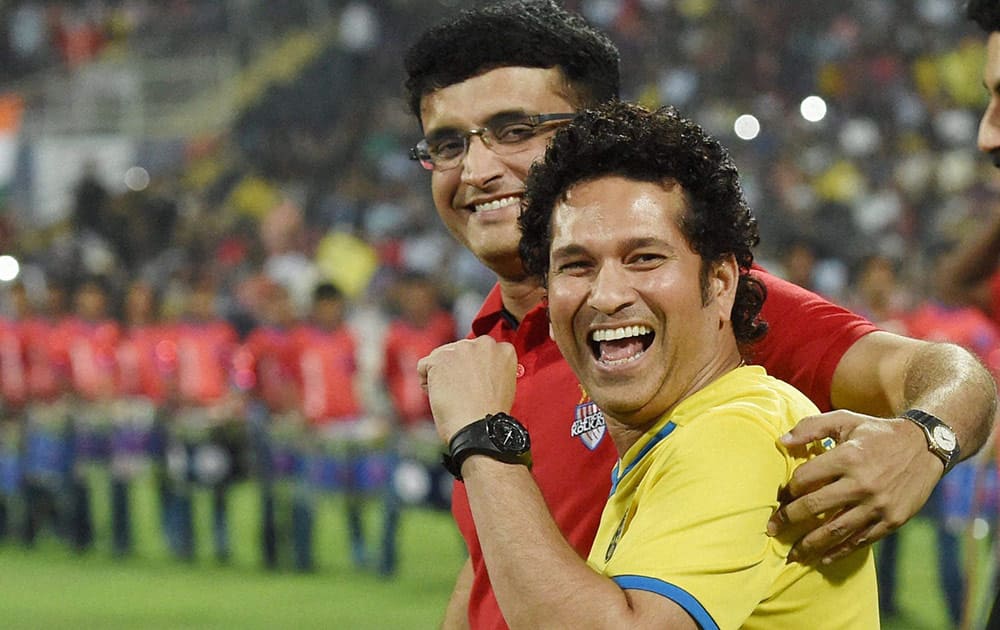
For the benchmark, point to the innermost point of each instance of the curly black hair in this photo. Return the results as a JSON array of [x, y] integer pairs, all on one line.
[[527, 33], [985, 13], [622, 139]]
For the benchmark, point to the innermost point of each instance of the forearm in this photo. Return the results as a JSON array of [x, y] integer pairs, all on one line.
[[949, 382], [456, 615], [539, 580]]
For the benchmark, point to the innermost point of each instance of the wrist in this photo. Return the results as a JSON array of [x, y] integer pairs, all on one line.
[[497, 436], [939, 438]]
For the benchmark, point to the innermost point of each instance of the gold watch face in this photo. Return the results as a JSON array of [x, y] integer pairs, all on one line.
[[945, 438]]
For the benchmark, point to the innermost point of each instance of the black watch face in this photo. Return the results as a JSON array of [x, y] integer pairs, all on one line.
[[507, 435]]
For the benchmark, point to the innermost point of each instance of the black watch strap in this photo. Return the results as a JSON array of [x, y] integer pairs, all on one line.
[[941, 438], [499, 436]]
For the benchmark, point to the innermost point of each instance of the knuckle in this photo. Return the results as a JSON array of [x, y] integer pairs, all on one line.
[[870, 487], [838, 531], [812, 504], [852, 455]]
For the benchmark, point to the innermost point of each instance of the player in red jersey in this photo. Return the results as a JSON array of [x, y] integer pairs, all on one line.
[[266, 370], [13, 396], [421, 324], [487, 88], [206, 436], [90, 339], [48, 448], [146, 359], [341, 439]]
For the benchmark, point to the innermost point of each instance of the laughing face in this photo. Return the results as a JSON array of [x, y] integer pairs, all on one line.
[[626, 299], [479, 200]]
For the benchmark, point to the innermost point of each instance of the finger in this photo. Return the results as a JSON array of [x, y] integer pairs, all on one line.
[[873, 534], [835, 425], [423, 367], [824, 469], [817, 504], [832, 534]]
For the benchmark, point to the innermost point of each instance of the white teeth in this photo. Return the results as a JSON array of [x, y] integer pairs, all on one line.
[[622, 361], [623, 332], [496, 204]]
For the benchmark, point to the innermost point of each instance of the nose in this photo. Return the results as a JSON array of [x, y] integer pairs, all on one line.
[[610, 290], [480, 165], [989, 127]]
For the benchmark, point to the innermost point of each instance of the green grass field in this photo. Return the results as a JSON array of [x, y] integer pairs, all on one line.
[[53, 588]]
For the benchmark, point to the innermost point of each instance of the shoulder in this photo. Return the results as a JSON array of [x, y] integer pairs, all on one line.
[[746, 400]]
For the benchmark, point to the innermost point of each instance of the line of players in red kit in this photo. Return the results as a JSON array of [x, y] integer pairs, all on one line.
[[89, 398]]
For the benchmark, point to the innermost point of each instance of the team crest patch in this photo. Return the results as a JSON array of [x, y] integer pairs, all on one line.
[[588, 424]]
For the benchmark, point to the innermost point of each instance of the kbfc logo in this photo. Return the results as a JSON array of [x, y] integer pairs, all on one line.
[[588, 424]]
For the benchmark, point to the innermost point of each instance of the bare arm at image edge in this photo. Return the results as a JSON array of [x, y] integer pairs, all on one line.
[[456, 616], [881, 472], [966, 272]]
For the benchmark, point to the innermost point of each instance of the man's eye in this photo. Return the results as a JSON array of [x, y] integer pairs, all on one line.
[[514, 132], [573, 266], [447, 147], [646, 258]]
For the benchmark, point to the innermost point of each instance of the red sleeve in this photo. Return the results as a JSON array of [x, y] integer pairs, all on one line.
[[390, 367], [806, 338]]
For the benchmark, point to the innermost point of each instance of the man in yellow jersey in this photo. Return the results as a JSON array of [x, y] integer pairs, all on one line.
[[638, 224]]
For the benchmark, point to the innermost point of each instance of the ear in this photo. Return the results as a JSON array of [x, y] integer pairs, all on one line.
[[722, 281]]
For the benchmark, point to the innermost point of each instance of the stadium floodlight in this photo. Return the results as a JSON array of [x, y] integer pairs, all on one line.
[[746, 127], [137, 178], [813, 108], [9, 268]]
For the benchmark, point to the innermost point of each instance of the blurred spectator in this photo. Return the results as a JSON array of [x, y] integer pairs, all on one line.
[[421, 324]]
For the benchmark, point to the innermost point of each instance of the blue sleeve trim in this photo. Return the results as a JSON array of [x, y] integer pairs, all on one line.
[[674, 593]]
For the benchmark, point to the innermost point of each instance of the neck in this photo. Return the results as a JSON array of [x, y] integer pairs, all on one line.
[[521, 295], [626, 433]]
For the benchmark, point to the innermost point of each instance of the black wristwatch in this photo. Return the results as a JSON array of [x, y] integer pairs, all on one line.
[[498, 435], [941, 439]]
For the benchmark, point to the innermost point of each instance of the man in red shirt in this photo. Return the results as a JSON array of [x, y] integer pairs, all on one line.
[[265, 369], [47, 451], [90, 339], [336, 454], [420, 326], [487, 87], [13, 396], [145, 359], [205, 434]]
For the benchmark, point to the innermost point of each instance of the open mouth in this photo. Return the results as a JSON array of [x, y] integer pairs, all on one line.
[[618, 346]]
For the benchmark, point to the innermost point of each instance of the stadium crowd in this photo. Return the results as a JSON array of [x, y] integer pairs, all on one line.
[[253, 311]]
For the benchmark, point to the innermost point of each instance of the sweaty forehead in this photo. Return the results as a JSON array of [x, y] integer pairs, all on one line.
[[476, 100]]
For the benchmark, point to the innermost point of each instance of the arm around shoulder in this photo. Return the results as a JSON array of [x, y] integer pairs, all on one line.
[[884, 374]]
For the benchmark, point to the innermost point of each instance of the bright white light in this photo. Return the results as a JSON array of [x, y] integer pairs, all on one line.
[[9, 268], [813, 108], [137, 178], [746, 127], [980, 528]]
